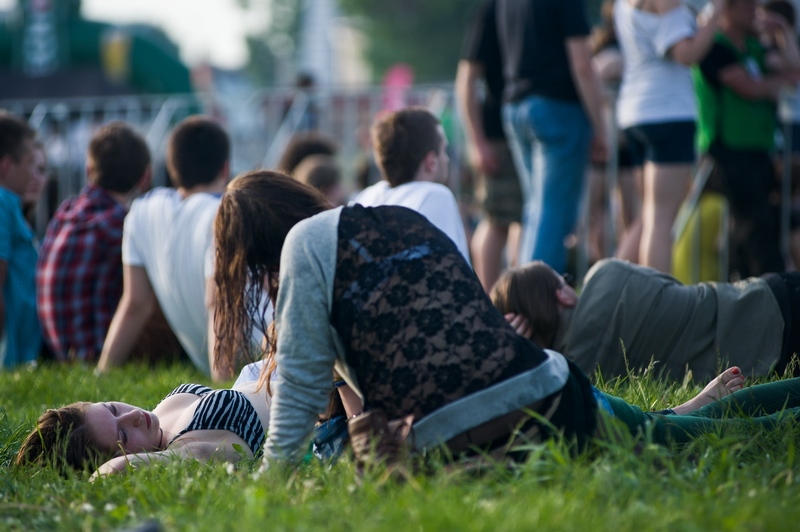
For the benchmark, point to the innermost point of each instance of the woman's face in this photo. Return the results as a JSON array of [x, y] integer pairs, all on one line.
[[122, 427], [38, 178]]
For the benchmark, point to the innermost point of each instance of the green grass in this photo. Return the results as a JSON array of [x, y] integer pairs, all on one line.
[[725, 482]]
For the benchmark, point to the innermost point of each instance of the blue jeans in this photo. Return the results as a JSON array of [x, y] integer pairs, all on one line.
[[550, 141]]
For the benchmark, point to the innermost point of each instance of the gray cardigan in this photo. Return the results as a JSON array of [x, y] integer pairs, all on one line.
[[309, 348]]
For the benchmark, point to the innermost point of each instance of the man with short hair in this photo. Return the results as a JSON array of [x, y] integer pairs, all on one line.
[[737, 93], [166, 249], [79, 273], [411, 150], [20, 336]]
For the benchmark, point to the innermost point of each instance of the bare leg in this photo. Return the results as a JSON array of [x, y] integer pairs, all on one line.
[[665, 187], [512, 246], [487, 247], [725, 383]]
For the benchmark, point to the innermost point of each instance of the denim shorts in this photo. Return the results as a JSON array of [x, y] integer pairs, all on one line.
[[664, 142]]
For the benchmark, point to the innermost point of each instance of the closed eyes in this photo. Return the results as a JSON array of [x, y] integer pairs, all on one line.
[[121, 435]]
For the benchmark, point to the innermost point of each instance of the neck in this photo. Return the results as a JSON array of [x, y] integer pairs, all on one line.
[[123, 199], [215, 187]]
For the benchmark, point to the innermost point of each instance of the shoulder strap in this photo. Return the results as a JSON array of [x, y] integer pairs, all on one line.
[[195, 389]]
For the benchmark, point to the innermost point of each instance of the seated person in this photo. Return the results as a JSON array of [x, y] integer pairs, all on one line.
[[411, 150], [387, 300], [322, 173], [20, 336], [79, 272], [166, 249], [193, 421], [628, 315], [302, 146]]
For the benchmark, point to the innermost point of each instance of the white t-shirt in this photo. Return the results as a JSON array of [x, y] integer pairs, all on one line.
[[170, 238], [432, 200], [654, 87]]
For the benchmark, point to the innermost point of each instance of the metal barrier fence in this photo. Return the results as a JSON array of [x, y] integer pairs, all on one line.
[[262, 124]]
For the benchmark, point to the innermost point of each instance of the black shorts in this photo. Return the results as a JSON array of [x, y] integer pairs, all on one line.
[[664, 142]]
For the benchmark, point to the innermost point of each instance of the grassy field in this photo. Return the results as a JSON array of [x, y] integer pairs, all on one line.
[[724, 482]]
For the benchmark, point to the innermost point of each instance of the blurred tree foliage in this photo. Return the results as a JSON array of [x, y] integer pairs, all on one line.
[[273, 47], [425, 34]]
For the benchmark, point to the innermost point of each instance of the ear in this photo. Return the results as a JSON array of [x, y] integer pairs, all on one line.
[[146, 179], [5, 164], [429, 162], [566, 297]]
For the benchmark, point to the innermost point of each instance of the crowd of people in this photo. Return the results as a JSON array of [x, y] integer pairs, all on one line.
[[370, 319]]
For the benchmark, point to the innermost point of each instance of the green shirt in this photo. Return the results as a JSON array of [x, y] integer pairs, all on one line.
[[724, 116]]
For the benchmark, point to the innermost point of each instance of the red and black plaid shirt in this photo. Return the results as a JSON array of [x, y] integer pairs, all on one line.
[[79, 274]]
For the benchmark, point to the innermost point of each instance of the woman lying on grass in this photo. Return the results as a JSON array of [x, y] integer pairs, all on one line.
[[386, 299], [193, 421], [628, 315]]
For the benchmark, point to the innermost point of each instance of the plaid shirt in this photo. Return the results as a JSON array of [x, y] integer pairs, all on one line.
[[79, 274]]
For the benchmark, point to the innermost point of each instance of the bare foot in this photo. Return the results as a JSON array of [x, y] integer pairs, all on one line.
[[724, 384]]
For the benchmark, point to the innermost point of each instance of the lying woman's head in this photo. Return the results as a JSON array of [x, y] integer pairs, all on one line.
[[84, 435], [62, 438], [533, 291], [256, 213]]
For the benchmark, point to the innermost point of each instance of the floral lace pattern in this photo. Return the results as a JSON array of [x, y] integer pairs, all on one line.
[[417, 326]]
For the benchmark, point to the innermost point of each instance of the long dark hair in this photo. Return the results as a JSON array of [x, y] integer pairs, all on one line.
[[62, 439], [256, 213]]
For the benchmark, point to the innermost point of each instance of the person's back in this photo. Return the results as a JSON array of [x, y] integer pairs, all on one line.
[[166, 248], [170, 238], [20, 336], [410, 149], [79, 273]]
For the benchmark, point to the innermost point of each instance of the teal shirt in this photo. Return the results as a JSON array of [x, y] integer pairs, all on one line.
[[22, 337]]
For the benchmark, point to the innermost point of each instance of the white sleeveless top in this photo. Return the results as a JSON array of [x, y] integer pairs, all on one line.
[[654, 88]]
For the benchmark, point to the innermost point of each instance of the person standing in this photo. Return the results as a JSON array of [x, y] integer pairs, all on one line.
[[737, 91], [656, 108], [552, 115], [489, 155]]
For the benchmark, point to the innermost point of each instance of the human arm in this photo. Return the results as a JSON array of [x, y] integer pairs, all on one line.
[[3, 275], [135, 308], [202, 451], [721, 68], [785, 58], [218, 374], [690, 50], [588, 84], [736, 78], [479, 151], [306, 350]]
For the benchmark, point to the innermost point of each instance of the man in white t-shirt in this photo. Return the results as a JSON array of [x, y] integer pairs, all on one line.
[[411, 150], [167, 249]]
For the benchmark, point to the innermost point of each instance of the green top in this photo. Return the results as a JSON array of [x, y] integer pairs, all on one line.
[[723, 115], [636, 313]]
